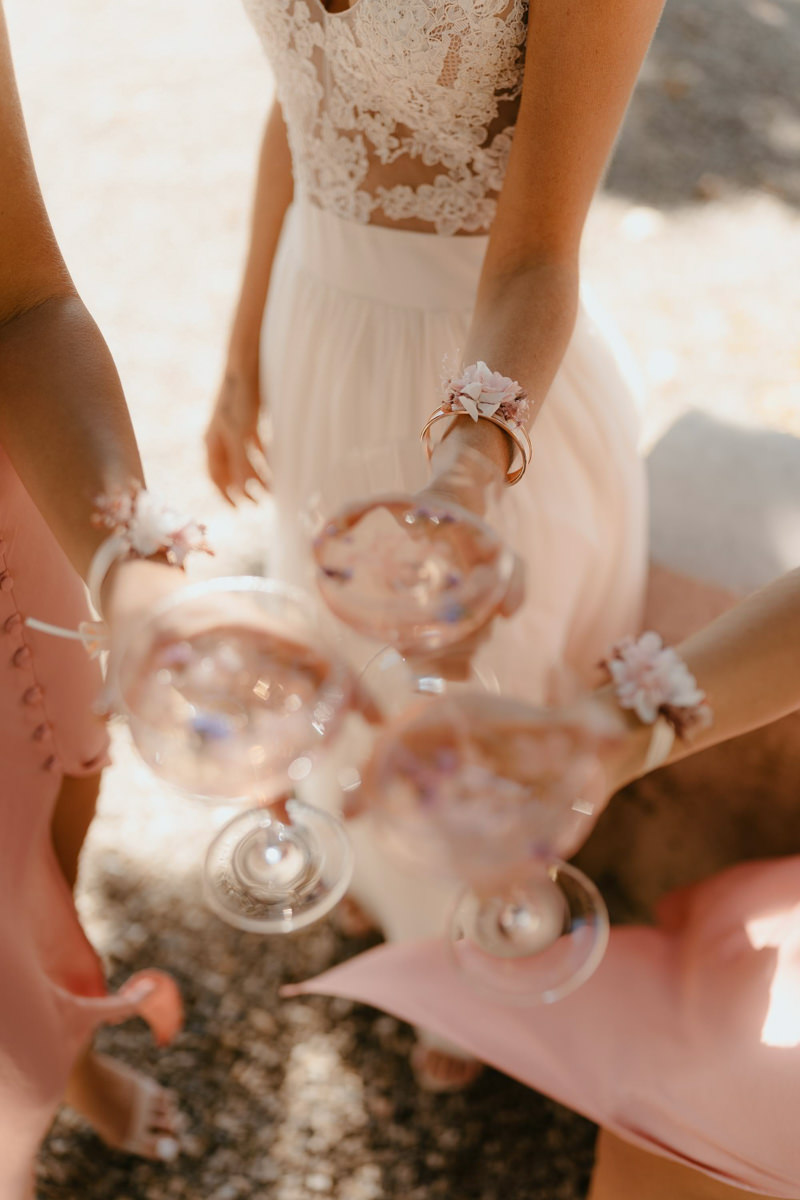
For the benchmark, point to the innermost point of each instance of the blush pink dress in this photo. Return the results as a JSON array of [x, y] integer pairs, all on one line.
[[685, 1042], [52, 990]]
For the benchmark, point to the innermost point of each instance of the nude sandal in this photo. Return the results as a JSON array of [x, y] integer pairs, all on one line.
[[464, 1069], [146, 1136]]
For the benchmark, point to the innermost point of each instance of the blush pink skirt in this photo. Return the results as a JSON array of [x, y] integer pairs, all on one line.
[[686, 1041], [52, 990]]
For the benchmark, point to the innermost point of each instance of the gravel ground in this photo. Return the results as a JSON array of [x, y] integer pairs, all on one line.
[[144, 119]]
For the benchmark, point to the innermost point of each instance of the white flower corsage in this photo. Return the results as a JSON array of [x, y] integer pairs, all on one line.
[[654, 682], [140, 526], [146, 526], [481, 392]]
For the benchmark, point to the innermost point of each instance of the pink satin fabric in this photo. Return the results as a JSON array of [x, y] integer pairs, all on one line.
[[685, 1042]]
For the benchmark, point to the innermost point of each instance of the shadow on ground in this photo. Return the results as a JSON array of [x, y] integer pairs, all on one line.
[[291, 1100], [717, 108]]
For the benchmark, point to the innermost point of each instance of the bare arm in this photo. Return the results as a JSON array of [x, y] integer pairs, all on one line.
[[747, 661], [234, 425], [582, 60], [274, 190], [63, 418], [748, 664]]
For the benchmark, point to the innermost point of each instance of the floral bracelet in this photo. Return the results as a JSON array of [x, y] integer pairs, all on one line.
[[483, 394], [654, 682], [140, 526]]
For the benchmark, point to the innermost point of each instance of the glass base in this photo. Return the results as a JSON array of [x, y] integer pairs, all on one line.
[[270, 876], [535, 942]]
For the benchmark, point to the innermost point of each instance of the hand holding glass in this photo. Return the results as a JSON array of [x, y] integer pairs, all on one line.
[[487, 791], [229, 696], [409, 567]]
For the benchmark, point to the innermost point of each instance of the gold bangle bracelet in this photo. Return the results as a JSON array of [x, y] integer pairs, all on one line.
[[517, 433]]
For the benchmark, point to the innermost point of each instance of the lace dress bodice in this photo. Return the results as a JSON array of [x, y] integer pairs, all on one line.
[[399, 112]]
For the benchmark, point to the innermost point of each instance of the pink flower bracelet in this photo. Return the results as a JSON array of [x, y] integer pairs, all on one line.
[[655, 683], [483, 394], [141, 526]]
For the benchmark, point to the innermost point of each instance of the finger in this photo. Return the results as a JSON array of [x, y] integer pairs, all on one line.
[[355, 802], [257, 456], [258, 443], [106, 703], [228, 464], [454, 664], [253, 490], [222, 481], [457, 668], [241, 469], [260, 469], [365, 704], [257, 485], [279, 809], [516, 589], [218, 465]]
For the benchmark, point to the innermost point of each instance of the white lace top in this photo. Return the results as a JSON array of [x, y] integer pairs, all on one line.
[[399, 112]]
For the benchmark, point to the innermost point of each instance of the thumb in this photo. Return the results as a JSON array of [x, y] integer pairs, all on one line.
[[515, 593], [354, 802]]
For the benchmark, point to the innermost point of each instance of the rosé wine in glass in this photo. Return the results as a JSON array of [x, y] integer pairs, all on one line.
[[420, 576], [529, 928], [230, 695]]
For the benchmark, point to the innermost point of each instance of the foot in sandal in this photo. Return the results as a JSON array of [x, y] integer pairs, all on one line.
[[437, 1069], [352, 920], [128, 1110]]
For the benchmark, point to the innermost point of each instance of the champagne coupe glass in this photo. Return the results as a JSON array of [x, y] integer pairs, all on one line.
[[528, 928], [230, 696], [413, 572]]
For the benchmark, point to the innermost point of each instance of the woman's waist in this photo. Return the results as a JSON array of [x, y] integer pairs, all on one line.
[[400, 267]]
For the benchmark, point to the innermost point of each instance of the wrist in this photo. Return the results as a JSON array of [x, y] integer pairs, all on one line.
[[466, 437], [242, 361], [624, 753], [134, 584], [469, 469], [492, 413], [140, 527]]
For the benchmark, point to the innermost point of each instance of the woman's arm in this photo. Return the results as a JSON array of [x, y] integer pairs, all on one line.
[[63, 418], [233, 429], [748, 664], [582, 60], [64, 422]]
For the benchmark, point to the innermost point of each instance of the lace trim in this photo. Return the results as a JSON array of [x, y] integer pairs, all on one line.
[[405, 111]]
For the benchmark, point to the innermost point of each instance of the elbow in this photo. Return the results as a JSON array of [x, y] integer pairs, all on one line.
[[526, 262], [25, 302], [37, 278], [552, 276]]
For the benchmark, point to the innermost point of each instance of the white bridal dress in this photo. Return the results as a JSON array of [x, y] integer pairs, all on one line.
[[400, 120]]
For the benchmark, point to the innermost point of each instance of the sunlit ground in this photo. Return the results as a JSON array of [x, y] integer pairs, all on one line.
[[144, 118]]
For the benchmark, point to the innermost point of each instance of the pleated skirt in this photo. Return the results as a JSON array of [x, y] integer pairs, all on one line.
[[361, 324]]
